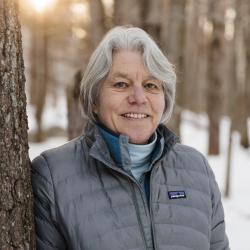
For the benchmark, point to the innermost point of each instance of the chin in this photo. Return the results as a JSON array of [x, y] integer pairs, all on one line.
[[138, 136], [136, 140]]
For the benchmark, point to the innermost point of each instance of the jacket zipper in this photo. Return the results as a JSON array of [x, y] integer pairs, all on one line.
[[150, 207], [135, 201], [136, 204], [134, 198], [137, 213]]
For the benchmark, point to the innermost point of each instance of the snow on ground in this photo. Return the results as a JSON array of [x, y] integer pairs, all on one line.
[[55, 113], [193, 133], [237, 206]]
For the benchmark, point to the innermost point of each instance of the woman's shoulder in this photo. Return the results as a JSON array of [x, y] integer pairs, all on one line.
[[185, 149], [62, 158], [190, 158], [64, 150]]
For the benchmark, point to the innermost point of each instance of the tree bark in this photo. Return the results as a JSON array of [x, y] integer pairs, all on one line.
[[16, 217], [33, 58]]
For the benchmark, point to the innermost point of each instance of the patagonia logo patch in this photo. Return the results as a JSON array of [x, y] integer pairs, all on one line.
[[176, 195]]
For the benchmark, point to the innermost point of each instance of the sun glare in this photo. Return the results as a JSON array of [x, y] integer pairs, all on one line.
[[42, 5], [79, 9]]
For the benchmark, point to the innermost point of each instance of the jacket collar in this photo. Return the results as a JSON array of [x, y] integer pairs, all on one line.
[[116, 153]]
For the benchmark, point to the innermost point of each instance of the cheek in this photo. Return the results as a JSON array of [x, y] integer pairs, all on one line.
[[104, 108], [98, 107], [159, 105]]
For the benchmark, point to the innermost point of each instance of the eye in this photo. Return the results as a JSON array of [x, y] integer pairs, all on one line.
[[151, 86], [120, 85]]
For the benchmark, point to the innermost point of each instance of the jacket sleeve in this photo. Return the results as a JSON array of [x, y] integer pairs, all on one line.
[[218, 240], [48, 236]]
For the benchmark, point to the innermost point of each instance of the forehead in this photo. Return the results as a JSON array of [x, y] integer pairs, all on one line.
[[126, 63]]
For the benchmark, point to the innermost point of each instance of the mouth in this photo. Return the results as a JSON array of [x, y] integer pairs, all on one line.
[[135, 115]]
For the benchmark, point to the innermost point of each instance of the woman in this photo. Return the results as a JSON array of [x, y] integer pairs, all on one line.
[[127, 183]]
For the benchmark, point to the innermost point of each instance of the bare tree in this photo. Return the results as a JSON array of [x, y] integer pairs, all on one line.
[[152, 23], [195, 59], [39, 68], [237, 73], [232, 83], [16, 219], [172, 40], [128, 12], [41, 75], [98, 21], [215, 72], [245, 97], [76, 121]]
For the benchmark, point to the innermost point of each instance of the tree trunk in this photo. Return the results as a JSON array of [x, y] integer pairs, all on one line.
[[76, 121], [241, 88], [152, 12], [16, 219], [128, 12], [196, 52], [246, 33], [215, 72], [173, 37], [232, 83], [98, 26], [229, 164], [41, 76]]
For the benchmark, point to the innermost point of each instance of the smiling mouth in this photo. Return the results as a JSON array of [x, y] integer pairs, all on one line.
[[135, 115]]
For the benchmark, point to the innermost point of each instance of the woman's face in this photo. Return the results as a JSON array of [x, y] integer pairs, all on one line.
[[131, 101]]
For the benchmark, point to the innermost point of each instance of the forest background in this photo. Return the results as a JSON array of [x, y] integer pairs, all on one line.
[[206, 40]]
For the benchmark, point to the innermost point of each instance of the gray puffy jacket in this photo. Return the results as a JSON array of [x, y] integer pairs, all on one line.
[[84, 201]]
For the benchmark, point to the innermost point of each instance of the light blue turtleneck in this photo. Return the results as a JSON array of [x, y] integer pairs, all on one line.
[[141, 157]]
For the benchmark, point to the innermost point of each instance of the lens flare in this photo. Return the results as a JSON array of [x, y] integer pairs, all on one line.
[[42, 5]]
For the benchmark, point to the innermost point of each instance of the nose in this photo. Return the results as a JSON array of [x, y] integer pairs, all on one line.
[[137, 95]]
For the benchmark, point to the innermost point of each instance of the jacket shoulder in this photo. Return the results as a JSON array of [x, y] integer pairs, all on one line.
[[65, 149], [61, 161], [187, 149], [190, 158], [64, 152]]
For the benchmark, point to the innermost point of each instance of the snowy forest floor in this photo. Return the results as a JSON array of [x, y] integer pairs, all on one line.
[[194, 133]]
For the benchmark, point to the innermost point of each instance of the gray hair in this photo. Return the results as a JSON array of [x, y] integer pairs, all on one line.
[[100, 63]]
